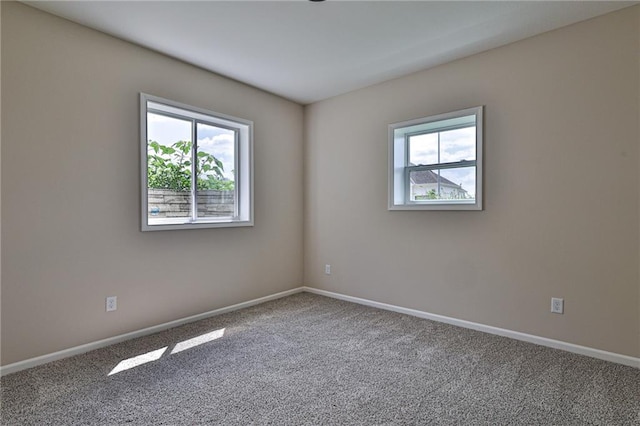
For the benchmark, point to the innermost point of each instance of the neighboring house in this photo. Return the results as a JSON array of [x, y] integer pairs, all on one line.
[[426, 184]]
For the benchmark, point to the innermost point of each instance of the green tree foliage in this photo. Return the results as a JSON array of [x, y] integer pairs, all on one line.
[[169, 167]]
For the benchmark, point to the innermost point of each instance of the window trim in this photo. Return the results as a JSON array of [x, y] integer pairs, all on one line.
[[243, 159], [399, 170]]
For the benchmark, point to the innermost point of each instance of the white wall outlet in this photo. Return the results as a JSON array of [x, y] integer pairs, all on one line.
[[112, 303], [327, 269], [557, 305]]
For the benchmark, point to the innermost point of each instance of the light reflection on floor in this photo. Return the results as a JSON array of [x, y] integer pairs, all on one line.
[[196, 341], [155, 355]]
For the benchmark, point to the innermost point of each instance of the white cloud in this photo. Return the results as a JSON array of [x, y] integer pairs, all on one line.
[[157, 118], [167, 130], [423, 149], [466, 177], [222, 147], [454, 145]]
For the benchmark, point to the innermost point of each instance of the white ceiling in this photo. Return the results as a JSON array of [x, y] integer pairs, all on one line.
[[307, 51]]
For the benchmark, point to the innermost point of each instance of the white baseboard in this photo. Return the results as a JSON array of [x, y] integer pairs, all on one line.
[[543, 341], [33, 362], [557, 344]]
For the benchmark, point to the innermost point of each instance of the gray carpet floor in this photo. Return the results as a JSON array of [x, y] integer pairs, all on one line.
[[311, 360]]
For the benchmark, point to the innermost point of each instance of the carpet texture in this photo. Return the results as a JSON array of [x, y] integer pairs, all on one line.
[[311, 360]]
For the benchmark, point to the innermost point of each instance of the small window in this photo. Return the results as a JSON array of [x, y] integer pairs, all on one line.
[[196, 167], [435, 163]]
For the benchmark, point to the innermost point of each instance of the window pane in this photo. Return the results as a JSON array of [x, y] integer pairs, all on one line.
[[446, 184], [457, 145], [168, 168], [423, 149], [424, 185], [434, 162], [216, 171], [197, 167], [458, 183]]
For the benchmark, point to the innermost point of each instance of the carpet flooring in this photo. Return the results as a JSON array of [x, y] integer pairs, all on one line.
[[311, 360]]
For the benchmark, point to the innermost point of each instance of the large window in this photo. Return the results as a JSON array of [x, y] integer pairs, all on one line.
[[435, 163], [196, 167]]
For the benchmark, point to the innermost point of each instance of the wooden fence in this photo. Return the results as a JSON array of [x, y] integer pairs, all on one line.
[[170, 203]]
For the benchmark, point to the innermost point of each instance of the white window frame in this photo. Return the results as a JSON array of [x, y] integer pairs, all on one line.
[[399, 167], [243, 130]]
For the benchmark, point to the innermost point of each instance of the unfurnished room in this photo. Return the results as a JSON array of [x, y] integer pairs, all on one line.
[[320, 212]]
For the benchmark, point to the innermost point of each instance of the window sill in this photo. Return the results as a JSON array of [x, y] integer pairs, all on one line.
[[173, 224], [460, 205]]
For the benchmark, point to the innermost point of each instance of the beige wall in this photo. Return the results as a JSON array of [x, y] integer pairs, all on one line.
[[70, 115], [562, 190]]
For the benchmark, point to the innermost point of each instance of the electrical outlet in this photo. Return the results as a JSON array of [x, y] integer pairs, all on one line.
[[557, 305], [112, 303], [327, 269]]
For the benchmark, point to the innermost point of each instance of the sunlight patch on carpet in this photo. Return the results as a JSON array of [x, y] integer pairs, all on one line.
[[155, 355], [135, 361], [199, 340]]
